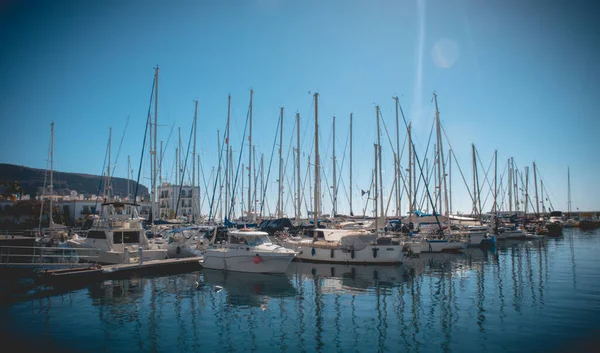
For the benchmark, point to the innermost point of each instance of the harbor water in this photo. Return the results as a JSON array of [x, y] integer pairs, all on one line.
[[522, 296]]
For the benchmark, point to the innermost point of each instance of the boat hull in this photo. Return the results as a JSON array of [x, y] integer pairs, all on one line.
[[444, 246], [332, 253], [90, 254], [238, 261]]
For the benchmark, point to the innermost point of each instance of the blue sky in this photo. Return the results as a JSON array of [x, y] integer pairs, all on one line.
[[519, 77]]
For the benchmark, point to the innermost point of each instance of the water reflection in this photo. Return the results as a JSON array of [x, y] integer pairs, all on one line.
[[491, 300], [247, 289]]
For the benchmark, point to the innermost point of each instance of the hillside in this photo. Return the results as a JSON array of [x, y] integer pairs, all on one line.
[[32, 181]]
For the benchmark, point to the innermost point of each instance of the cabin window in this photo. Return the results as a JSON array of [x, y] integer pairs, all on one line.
[[96, 234], [129, 237]]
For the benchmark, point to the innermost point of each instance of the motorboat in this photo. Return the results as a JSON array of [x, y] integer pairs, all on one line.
[[349, 246], [116, 236], [247, 250]]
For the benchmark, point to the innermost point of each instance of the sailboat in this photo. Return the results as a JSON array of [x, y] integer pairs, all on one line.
[[348, 246]]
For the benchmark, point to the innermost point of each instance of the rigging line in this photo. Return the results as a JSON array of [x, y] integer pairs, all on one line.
[[541, 178], [165, 150], [120, 145], [480, 187], [421, 172], [340, 179], [262, 201], [368, 195], [426, 151], [306, 176], [187, 154], [231, 205], [457, 164], [143, 144], [45, 181]]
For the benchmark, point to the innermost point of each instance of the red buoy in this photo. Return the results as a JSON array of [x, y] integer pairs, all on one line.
[[256, 259]]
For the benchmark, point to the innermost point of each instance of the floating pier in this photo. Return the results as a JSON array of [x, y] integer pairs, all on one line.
[[94, 273]]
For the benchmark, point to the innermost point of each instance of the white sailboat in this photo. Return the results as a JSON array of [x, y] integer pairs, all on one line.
[[348, 246]]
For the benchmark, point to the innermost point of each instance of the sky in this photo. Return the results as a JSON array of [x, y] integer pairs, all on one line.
[[519, 77]]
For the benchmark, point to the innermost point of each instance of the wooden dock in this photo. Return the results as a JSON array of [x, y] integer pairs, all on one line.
[[93, 273]]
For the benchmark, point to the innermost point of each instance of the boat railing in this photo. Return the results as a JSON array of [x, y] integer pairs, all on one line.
[[43, 256]]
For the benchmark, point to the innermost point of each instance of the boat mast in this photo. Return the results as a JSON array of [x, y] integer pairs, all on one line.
[[227, 170], [280, 181], [334, 172], [375, 191], [450, 180], [107, 186], [537, 201], [154, 170], [569, 191], [495, 208], [441, 166], [351, 213], [128, 180], [194, 162], [250, 161], [298, 200], [316, 200], [378, 151], [410, 175], [526, 190], [474, 179], [397, 161], [510, 198], [516, 184], [218, 176], [51, 220]]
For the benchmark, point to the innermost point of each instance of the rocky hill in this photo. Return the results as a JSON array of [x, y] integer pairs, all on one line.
[[31, 181]]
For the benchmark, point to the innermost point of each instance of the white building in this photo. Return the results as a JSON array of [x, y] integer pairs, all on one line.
[[168, 196]]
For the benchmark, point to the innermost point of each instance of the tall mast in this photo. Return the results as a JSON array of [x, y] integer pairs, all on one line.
[[194, 162], [280, 181], [495, 208], [160, 164], [298, 199], [450, 180], [569, 191], [108, 181], [351, 213], [198, 198], [334, 173], [410, 178], [441, 166], [128, 177], [376, 189], [397, 161], [154, 170], [250, 160], [381, 211], [542, 196], [218, 176], [262, 179], [526, 189], [176, 165], [51, 220], [510, 183], [316, 200], [537, 201], [474, 180], [516, 184], [227, 157]]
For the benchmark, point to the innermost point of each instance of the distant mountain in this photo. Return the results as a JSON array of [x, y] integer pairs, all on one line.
[[32, 182]]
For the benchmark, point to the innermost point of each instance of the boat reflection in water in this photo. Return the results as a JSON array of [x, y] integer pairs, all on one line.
[[337, 278], [247, 289]]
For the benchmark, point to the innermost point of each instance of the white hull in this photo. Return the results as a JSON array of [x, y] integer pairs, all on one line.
[[371, 254], [225, 259], [443, 246], [512, 234], [175, 250]]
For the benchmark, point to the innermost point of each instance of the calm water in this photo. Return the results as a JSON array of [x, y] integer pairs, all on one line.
[[538, 296]]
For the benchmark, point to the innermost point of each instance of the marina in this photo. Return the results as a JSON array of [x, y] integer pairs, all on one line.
[[285, 176], [494, 300]]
